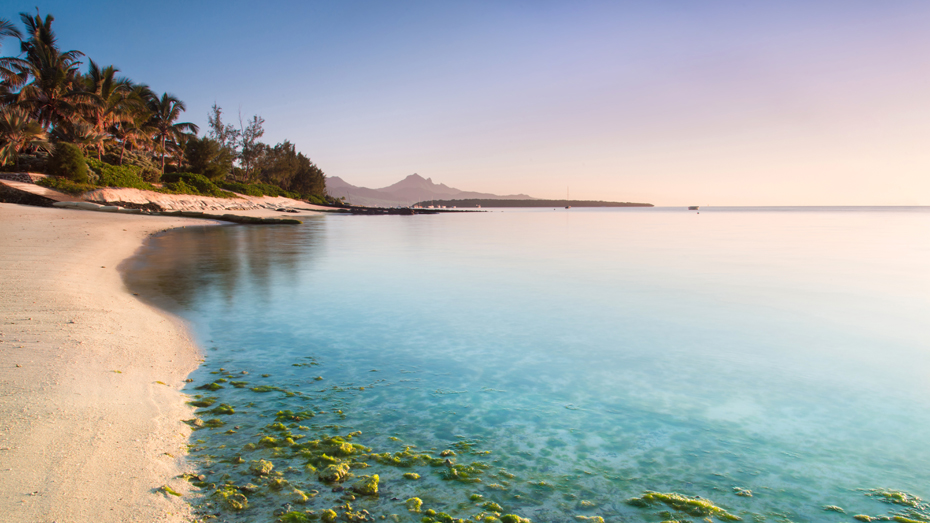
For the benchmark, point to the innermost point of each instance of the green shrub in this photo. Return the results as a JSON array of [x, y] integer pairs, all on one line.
[[258, 189], [68, 160], [119, 175], [197, 184], [242, 188], [65, 185]]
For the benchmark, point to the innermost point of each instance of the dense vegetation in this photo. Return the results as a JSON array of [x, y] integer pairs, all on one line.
[[100, 129]]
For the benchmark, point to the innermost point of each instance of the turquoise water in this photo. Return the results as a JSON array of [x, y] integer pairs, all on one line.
[[572, 360]]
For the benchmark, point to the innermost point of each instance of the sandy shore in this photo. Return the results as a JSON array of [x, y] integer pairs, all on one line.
[[90, 408]]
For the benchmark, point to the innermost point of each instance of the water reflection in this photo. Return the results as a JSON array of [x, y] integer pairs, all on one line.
[[224, 264]]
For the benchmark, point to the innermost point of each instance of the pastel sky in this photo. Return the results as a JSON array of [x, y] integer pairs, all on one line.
[[668, 102]]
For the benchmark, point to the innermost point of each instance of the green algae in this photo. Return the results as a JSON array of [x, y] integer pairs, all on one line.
[[513, 518], [367, 485], [895, 497], [214, 423], [296, 517], [168, 490], [414, 504], [239, 384], [833, 508], [335, 473], [863, 517], [593, 519], [289, 415], [746, 493], [230, 498], [265, 388], [329, 515], [493, 507], [277, 483], [260, 467], [411, 475], [222, 409], [203, 402], [696, 507], [210, 386]]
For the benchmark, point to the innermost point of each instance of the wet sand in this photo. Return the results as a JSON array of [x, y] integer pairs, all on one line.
[[90, 408]]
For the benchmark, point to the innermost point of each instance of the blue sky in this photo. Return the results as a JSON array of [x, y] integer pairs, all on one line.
[[711, 103]]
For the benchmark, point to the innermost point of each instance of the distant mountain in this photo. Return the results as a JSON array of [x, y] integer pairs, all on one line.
[[408, 191], [498, 202]]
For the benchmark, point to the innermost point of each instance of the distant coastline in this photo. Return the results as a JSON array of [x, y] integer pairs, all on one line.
[[480, 202]]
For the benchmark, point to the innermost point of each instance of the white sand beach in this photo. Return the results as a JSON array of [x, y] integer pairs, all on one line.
[[90, 409]]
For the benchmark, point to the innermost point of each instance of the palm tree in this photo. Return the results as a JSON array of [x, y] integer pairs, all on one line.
[[165, 111], [7, 29], [51, 95], [19, 133], [110, 102], [135, 131]]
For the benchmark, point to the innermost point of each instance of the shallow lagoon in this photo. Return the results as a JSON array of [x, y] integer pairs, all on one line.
[[572, 360]]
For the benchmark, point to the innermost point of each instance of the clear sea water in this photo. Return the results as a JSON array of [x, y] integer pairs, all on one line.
[[580, 357]]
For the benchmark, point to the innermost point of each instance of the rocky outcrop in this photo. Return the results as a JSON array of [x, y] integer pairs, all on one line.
[[154, 201]]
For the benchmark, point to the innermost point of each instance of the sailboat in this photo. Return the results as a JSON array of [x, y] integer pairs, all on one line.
[[567, 199]]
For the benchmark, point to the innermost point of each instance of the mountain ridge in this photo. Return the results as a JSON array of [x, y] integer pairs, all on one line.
[[414, 188]]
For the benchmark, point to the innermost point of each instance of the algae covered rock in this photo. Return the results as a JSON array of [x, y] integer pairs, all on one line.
[[298, 496], [296, 517], [277, 484], [230, 498], [696, 506], [367, 485], [335, 473], [222, 409], [328, 516], [261, 467], [414, 504], [513, 518], [411, 475]]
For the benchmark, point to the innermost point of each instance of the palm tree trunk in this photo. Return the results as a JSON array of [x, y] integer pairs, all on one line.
[[163, 155], [122, 150]]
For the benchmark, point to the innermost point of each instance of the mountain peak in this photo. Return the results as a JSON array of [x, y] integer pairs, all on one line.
[[412, 189]]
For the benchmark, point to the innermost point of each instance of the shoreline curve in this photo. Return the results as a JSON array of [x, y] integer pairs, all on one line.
[[90, 376]]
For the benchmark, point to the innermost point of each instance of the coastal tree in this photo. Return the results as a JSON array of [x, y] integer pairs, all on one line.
[[249, 146], [109, 102], [226, 135], [208, 157], [46, 75], [165, 112], [7, 29], [19, 133]]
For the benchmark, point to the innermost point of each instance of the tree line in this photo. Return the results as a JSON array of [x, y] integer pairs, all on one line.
[[50, 109]]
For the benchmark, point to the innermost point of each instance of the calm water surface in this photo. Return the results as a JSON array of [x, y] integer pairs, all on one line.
[[571, 359]]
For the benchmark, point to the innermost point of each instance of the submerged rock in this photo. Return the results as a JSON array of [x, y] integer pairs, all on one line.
[[230, 498], [261, 467], [367, 485], [335, 473]]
